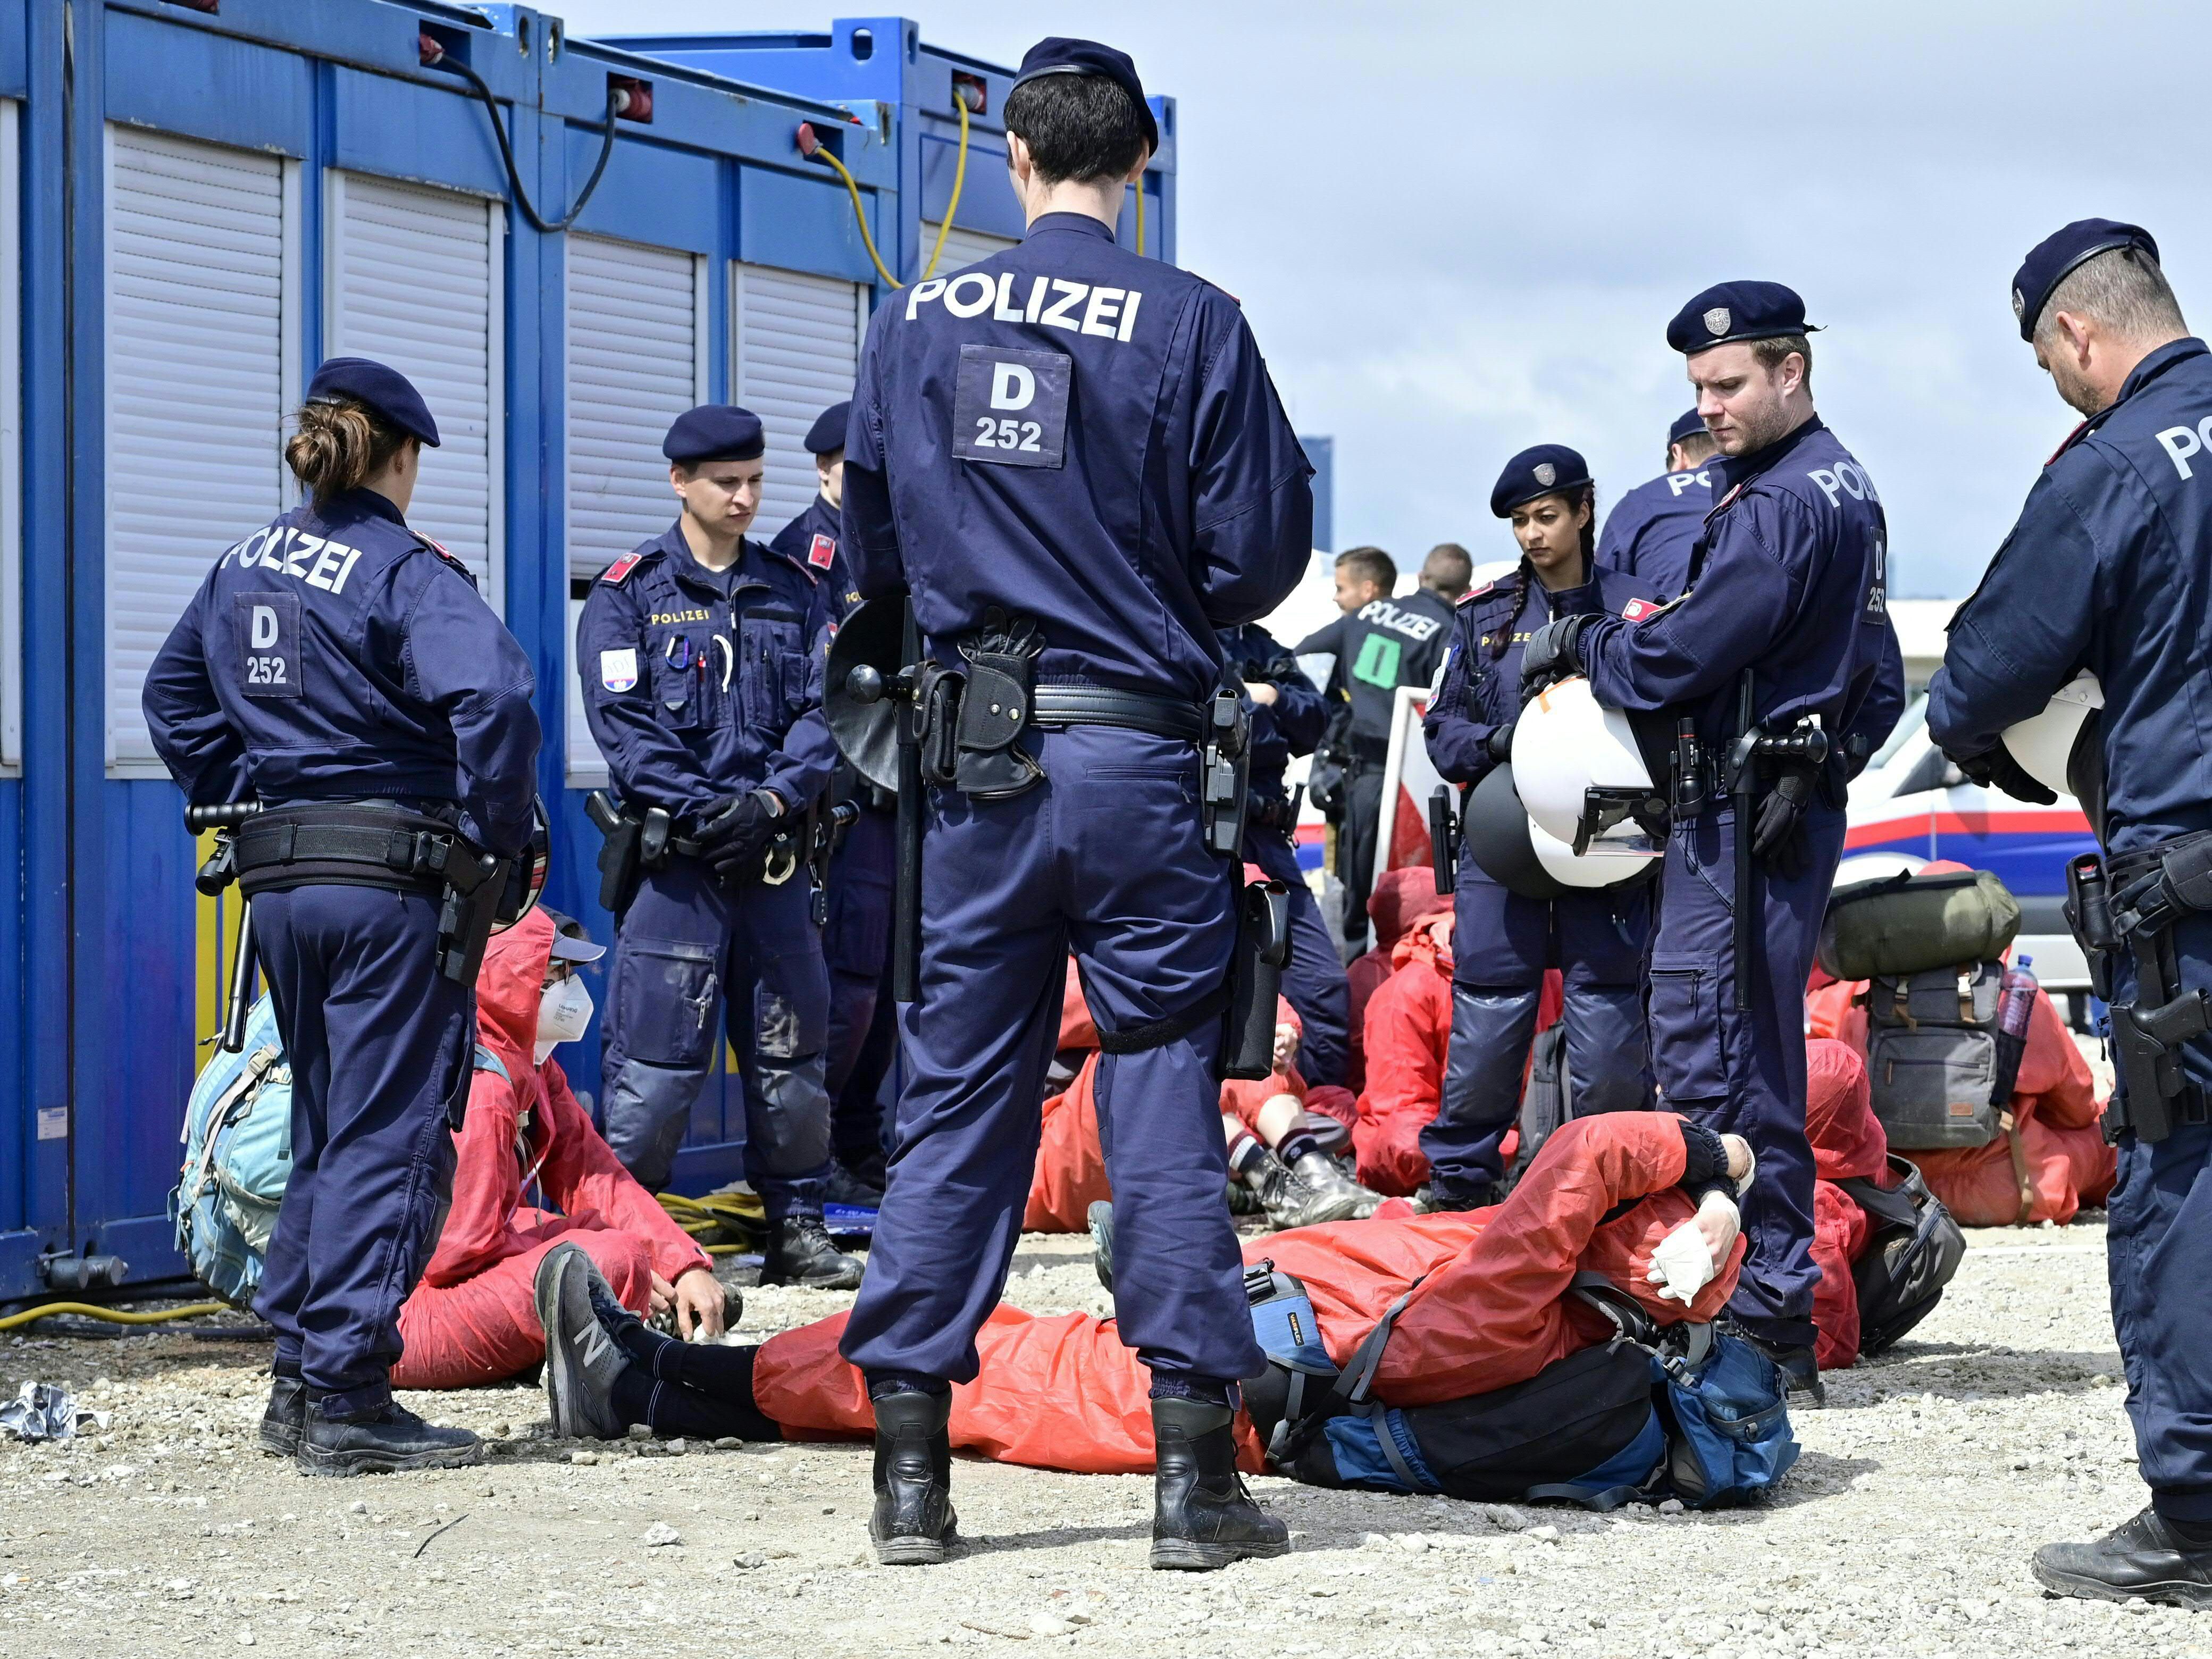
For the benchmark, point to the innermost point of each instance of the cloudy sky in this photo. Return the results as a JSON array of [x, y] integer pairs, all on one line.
[[1460, 229]]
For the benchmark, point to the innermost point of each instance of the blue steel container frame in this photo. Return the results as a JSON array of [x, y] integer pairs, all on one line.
[[882, 71], [103, 1018]]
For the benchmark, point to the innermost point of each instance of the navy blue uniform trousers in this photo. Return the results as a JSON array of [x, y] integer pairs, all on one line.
[[2159, 1247], [1314, 981], [1501, 944], [378, 1042], [1105, 857], [684, 950], [855, 947], [1744, 1073]]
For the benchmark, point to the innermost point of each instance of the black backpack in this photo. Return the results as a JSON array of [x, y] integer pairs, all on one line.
[[1916, 1249], [1545, 1101]]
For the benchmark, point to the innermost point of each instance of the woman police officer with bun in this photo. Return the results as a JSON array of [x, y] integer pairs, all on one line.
[[1503, 942], [342, 671]]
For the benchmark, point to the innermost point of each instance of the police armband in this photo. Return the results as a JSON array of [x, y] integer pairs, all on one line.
[[995, 708]]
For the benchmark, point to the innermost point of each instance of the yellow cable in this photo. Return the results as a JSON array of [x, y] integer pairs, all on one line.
[[113, 1315], [859, 214], [959, 178]]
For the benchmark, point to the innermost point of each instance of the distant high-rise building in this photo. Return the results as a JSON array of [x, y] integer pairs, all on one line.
[[1321, 452]]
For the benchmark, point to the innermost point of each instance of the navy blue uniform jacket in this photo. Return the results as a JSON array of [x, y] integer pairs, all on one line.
[[337, 655], [810, 542], [693, 696], [2109, 568], [1081, 436], [1793, 585], [1290, 725], [1652, 529]]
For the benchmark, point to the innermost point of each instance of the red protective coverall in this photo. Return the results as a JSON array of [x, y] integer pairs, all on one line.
[[1401, 898], [2055, 1111], [1071, 1163], [1847, 1141], [471, 1320], [1061, 1392], [1408, 1039]]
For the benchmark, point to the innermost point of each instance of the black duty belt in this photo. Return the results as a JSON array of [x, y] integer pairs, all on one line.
[[350, 845], [1132, 711], [1373, 750]]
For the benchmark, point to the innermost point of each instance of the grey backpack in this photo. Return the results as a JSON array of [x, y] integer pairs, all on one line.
[[1932, 1056]]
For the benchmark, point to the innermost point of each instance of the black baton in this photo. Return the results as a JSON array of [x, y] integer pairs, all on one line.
[[906, 897]]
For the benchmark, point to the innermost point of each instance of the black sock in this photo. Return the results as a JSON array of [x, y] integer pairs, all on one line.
[[881, 1383], [671, 1408], [2198, 1534], [642, 1343], [1179, 1385], [1294, 1147]]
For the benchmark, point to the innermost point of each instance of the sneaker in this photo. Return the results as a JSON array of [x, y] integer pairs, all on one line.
[[286, 1419], [799, 1252], [1203, 1517], [582, 1359], [2142, 1559], [395, 1441], [912, 1523]]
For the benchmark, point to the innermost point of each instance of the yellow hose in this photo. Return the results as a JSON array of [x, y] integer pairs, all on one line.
[[113, 1315], [960, 96], [959, 178]]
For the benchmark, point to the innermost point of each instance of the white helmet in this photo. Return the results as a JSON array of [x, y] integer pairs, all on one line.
[[1578, 770], [1509, 847], [2044, 743]]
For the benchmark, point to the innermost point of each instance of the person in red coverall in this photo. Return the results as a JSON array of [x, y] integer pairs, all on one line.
[[1406, 1042], [471, 1319], [1489, 1307], [1401, 898]]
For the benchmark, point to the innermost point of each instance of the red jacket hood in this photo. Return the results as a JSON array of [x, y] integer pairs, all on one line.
[[1429, 941], [509, 987]]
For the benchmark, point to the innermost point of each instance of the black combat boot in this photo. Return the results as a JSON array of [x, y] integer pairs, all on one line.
[[285, 1420], [2143, 1559], [913, 1524], [1100, 1215], [799, 1252], [394, 1441], [1799, 1366], [1202, 1516]]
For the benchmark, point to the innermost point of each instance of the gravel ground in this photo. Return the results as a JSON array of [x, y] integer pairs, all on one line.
[[1905, 1529]]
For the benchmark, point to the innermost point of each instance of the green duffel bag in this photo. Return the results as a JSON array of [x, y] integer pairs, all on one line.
[[1906, 924]]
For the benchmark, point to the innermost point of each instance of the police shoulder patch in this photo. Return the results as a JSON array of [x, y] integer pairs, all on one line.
[[1638, 610], [822, 552], [618, 572], [1476, 592]]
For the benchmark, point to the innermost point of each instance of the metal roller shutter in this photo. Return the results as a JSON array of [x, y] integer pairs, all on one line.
[[796, 339], [962, 248], [636, 344], [201, 297], [413, 280]]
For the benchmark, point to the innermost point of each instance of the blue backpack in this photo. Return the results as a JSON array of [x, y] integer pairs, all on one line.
[[238, 1158]]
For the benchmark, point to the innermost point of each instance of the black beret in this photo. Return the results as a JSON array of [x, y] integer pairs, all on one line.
[[1736, 311], [1547, 470], [382, 388], [714, 431], [1058, 54], [828, 432], [2051, 260], [1691, 425]]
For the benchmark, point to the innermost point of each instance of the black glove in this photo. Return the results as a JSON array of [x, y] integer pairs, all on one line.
[[1551, 653], [1997, 769], [1779, 839], [1499, 743], [735, 827]]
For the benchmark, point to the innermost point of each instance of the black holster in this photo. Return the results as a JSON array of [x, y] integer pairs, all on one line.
[[632, 843], [1443, 838], [995, 707], [2150, 1028], [1256, 981]]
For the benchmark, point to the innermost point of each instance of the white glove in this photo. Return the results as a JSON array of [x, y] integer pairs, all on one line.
[[1687, 1258]]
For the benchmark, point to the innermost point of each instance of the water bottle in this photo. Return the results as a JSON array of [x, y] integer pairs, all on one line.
[[2015, 1005]]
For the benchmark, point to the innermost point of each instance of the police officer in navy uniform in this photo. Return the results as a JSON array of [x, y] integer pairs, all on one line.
[[343, 671], [1074, 460], [856, 934], [1501, 941], [700, 656], [1786, 586], [1288, 716], [1652, 529], [2106, 571], [1380, 644]]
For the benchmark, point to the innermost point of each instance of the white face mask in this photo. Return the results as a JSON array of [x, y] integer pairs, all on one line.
[[564, 1013]]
